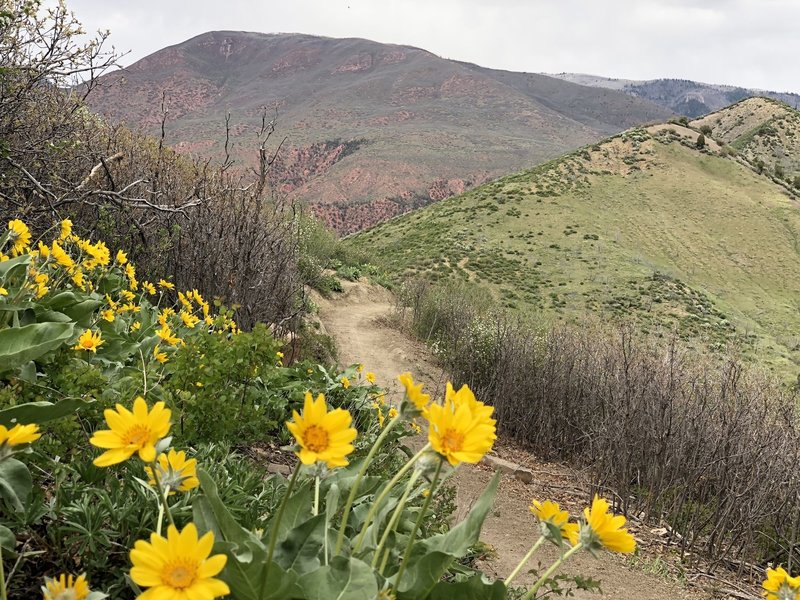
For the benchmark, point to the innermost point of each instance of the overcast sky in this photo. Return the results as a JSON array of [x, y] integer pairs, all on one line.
[[751, 43]]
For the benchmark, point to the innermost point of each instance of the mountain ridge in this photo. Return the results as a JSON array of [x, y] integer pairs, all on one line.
[[684, 96], [374, 129]]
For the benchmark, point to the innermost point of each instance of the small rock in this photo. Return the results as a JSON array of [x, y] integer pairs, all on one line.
[[276, 468], [496, 462], [524, 475]]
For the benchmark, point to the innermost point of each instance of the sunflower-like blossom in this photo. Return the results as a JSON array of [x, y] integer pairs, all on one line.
[[19, 434], [89, 340], [603, 529], [779, 585], [460, 431], [61, 257], [178, 567], [550, 512], [65, 587], [414, 392], [175, 472], [323, 436], [131, 432], [20, 237], [65, 229]]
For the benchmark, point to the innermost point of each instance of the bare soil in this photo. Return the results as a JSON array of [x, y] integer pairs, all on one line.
[[362, 322]]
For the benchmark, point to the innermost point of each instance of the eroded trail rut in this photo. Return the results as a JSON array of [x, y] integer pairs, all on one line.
[[359, 321]]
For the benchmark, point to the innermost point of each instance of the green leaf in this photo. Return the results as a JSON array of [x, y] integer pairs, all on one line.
[[15, 483], [211, 514], [300, 551], [298, 510], [245, 577], [431, 558], [8, 541], [20, 345], [343, 579], [474, 588], [41, 412], [20, 262]]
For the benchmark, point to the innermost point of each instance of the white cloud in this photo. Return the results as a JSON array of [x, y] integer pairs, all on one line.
[[739, 42]]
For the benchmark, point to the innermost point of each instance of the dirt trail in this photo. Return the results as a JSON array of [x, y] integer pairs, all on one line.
[[359, 321]]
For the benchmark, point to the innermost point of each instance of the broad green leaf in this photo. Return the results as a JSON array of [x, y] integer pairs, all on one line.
[[20, 262], [41, 412], [23, 344], [298, 510], [343, 579], [474, 588], [300, 551], [15, 483], [8, 540], [431, 558], [211, 514], [246, 579]]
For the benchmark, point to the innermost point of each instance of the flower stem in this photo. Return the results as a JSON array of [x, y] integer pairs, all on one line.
[[273, 536], [316, 495], [161, 495], [395, 517], [524, 561], [561, 559], [2, 577], [417, 524], [385, 492], [354, 490]]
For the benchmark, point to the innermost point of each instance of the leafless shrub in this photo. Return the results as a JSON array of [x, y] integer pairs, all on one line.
[[205, 224], [709, 448]]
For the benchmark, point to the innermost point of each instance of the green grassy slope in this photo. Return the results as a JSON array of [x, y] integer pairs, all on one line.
[[643, 225]]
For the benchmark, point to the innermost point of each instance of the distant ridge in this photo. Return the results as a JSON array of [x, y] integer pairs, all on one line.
[[689, 98], [374, 130]]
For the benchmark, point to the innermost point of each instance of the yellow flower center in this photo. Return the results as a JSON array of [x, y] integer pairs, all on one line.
[[316, 438], [179, 574], [87, 343], [453, 441], [136, 435]]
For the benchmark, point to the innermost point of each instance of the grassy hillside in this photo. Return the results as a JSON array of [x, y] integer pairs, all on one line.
[[764, 132], [644, 225]]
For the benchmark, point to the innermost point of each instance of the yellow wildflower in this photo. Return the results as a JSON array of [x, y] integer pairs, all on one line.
[[550, 512], [779, 585], [66, 229], [370, 377], [604, 529], [108, 315], [392, 412], [165, 333], [122, 258], [414, 392], [186, 300], [460, 433], [189, 319], [149, 288], [20, 237], [131, 432], [323, 436], [379, 414], [159, 355], [345, 382], [137, 325], [79, 279], [19, 434], [165, 314], [178, 566], [89, 340], [3, 291], [166, 284], [175, 472], [43, 250], [61, 256], [65, 587]]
